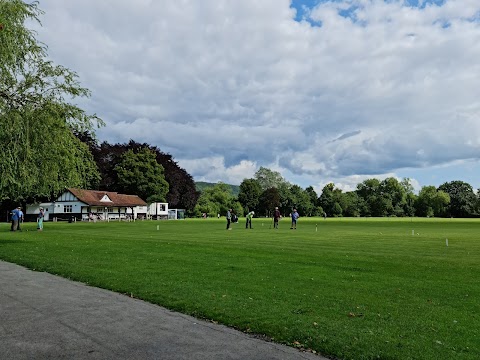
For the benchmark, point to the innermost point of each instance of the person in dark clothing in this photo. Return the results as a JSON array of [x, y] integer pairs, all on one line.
[[276, 217], [229, 218]]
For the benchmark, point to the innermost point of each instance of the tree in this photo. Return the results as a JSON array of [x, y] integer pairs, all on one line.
[[336, 209], [328, 199], [410, 197], [268, 178], [462, 198], [217, 200], [39, 154], [431, 202], [287, 201], [312, 195], [352, 204], [478, 202], [301, 200], [249, 195], [369, 192], [140, 174], [314, 209], [205, 206], [332, 200], [269, 199], [394, 196], [182, 192]]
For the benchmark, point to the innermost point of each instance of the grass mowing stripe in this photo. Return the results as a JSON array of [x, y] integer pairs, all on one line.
[[351, 288]]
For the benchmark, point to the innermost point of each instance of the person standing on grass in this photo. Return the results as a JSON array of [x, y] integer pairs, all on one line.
[[276, 217], [40, 216], [20, 217], [295, 216], [229, 218], [14, 220], [249, 219]]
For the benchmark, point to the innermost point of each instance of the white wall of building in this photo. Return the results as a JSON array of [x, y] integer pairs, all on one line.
[[35, 209], [158, 210]]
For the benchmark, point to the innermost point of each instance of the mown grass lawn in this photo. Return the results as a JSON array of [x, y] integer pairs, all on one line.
[[346, 288]]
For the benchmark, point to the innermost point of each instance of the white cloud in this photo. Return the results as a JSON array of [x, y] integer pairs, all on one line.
[[214, 170], [228, 86]]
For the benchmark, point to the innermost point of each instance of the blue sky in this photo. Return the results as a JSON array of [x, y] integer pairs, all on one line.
[[321, 91], [303, 8]]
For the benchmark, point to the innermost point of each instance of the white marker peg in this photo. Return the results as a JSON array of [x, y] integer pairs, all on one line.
[[413, 232], [316, 227], [158, 227], [446, 242]]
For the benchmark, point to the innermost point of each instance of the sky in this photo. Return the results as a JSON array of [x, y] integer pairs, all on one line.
[[322, 91]]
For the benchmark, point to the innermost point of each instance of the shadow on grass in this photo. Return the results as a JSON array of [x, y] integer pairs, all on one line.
[[6, 242]]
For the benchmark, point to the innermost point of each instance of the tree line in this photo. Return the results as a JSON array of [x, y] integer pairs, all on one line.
[[372, 197]]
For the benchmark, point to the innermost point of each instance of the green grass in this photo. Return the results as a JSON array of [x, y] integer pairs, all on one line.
[[354, 289]]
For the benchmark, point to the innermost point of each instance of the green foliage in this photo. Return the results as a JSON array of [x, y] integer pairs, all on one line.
[[432, 202], [181, 187], [39, 156], [389, 197], [301, 200], [318, 211], [463, 202], [336, 209], [202, 185], [394, 192], [268, 178], [312, 195], [352, 204], [269, 199], [287, 202], [385, 198], [249, 194], [331, 200], [217, 200], [140, 174]]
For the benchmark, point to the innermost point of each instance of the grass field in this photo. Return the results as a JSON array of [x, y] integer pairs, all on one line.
[[354, 289]]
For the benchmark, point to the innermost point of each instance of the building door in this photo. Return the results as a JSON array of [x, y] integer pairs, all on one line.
[[48, 210]]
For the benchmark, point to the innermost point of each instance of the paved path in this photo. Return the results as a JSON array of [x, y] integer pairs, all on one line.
[[43, 316]]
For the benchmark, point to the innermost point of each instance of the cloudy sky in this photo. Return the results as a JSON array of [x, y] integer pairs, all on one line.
[[321, 91]]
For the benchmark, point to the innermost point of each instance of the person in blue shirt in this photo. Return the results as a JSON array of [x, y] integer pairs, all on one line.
[[15, 217], [20, 218], [295, 216]]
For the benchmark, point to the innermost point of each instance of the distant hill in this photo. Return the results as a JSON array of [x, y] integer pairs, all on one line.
[[202, 185]]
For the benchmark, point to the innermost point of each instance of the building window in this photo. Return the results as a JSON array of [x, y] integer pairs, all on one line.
[[67, 208], [162, 207], [110, 209]]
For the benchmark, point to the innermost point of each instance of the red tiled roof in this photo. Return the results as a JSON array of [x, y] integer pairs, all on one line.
[[93, 197]]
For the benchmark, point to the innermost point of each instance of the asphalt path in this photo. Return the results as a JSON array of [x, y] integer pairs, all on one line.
[[43, 316]]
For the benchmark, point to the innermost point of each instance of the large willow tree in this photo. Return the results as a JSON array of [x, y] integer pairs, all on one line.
[[39, 155]]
